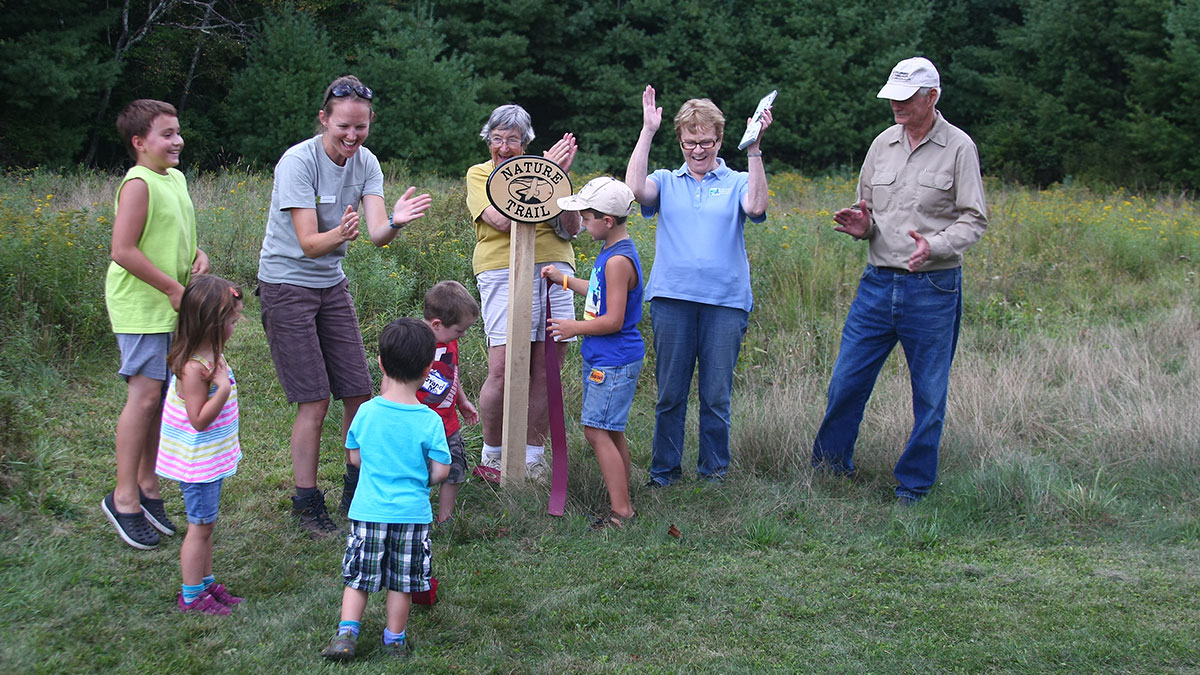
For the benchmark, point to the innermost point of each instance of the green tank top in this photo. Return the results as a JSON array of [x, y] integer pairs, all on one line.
[[169, 241]]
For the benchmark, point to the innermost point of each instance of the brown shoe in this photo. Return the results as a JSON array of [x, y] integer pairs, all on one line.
[[314, 517]]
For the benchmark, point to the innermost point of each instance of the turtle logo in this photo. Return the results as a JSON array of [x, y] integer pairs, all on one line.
[[530, 190]]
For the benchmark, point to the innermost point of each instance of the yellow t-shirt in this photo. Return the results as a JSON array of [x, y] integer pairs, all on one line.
[[169, 241], [491, 245]]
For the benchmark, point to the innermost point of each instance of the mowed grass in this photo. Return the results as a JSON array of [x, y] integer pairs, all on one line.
[[1064, 533]]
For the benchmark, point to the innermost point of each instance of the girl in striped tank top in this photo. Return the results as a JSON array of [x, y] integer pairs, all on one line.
[[198, 445]]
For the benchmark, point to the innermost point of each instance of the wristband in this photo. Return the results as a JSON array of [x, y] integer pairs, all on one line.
[[565, 286], [754, 154], [392, 224]]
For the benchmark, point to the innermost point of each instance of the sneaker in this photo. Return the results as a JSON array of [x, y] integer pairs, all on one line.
[[154, 512], [204, 603], [341, 647], [223, 596], [399, 650], [314, 517], [133, 528], [348, 487], [490, 461], [538, 470]]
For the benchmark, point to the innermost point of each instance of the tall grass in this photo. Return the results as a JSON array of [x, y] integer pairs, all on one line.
[[1070, 443]]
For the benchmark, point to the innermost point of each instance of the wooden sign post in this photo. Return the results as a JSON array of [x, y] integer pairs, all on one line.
[[526, 190]]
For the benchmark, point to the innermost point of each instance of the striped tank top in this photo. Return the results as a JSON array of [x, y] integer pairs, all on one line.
[[191, 456]]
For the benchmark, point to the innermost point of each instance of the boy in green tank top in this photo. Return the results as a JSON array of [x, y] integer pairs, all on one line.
[[154, 254]]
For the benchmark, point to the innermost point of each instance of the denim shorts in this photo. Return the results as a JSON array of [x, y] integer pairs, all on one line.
[[392, 555], [200, 500], [144, 354], [608, 395]]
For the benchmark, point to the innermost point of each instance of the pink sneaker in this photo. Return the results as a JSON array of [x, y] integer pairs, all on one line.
[[223, 596], [204, 603]]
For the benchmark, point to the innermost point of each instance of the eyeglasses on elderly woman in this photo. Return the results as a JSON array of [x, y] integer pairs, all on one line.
[[705, 144], [501, 141]]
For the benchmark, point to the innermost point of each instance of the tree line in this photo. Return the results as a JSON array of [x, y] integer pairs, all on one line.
[[1051, 90]]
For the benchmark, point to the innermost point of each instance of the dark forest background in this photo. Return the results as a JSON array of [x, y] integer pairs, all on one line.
[[1051, 90]]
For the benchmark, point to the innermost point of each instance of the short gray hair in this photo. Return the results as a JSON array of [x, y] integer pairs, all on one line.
[[924, 92], [511, 116]]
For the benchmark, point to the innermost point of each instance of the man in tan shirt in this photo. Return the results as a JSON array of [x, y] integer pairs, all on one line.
[[920, 206]]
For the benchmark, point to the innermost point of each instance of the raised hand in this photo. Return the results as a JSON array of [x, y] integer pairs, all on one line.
[[651, 114], [409, 208], [563, 152]]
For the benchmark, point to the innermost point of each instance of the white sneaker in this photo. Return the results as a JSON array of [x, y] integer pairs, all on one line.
[[538, 469], [491, 461]]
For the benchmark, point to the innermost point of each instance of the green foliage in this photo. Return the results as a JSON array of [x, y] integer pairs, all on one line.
[[427, 109], [273, 102]]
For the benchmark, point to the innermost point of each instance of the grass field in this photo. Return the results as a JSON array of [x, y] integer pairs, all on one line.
[[1063, 535]]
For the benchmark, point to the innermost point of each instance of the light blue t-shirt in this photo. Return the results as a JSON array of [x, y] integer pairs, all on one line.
[[306, 178], [394, 441], [700, 245]]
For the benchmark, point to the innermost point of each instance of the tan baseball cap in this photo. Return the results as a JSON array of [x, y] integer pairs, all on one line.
[[909, 76], [604, 194]]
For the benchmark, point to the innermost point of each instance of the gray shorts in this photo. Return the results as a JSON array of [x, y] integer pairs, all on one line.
[[493, 296], [315, 341], [458, 458], [144, 354]]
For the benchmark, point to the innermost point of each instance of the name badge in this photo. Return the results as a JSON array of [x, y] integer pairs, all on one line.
[[326, 199]]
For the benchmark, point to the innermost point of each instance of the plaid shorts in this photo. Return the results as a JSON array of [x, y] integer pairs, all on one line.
[[395, 555]]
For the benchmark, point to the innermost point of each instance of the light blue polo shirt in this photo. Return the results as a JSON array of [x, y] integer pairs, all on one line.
[[700, 245]]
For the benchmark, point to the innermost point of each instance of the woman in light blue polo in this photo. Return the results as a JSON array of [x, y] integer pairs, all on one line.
[[699, 288]]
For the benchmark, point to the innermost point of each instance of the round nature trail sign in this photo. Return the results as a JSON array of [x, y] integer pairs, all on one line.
[[527, 188]]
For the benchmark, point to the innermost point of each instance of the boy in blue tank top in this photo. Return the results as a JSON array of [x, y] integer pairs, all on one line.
[[612, 347]]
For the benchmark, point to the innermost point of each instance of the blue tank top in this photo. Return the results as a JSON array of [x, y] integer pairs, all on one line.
[[624, 346]]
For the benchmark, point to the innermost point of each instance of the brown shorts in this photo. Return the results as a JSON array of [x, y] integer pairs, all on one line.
[[315, 341]]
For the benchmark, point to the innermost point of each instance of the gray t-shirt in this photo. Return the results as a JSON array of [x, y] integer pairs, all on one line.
[[305, 178]]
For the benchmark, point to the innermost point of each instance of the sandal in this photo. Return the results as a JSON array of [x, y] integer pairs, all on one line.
[[613, 521]]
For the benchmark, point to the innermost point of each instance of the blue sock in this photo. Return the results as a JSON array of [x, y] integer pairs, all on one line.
[[351, 627], [389, 637], [190, 593], [208, 581]]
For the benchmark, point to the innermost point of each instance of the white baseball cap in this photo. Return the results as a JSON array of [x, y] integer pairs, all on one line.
[[604, 194], [909, 76]]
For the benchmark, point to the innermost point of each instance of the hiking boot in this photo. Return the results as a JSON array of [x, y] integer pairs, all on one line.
[[133, 528], [341, 647], [223, 596], [314, 517], [399, 650], [154, 512], [204, 603], [349, 485]]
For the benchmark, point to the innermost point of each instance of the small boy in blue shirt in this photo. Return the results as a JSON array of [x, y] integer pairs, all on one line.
[[399, 446], [612, 349]]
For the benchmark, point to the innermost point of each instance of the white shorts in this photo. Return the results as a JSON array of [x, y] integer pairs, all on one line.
[[493, 294]]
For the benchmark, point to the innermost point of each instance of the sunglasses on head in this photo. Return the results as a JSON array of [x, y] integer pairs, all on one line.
[[343, 90]]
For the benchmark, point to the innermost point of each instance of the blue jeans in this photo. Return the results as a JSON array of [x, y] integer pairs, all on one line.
[[686, 333], [923, 312]]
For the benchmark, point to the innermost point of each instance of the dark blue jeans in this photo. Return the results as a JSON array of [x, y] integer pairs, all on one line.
[[923, 312], [687, 333]]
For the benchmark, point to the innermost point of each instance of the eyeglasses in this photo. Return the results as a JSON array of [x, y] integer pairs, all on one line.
[[706, 144], [499, 142], [343, 90]]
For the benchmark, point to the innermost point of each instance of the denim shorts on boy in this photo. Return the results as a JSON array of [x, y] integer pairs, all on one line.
[[391, 555], [608, 395], [458, 458], [144, 355], [201, 500], [493, 296], [314, 359]]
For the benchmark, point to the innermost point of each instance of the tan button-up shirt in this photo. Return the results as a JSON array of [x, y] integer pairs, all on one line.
[[935, 189]]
